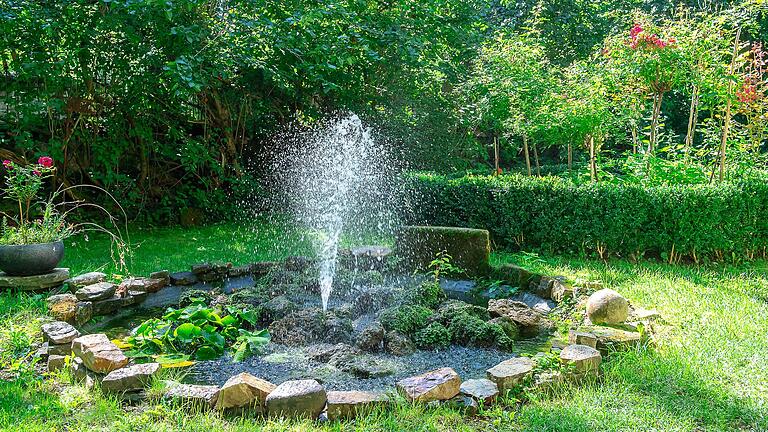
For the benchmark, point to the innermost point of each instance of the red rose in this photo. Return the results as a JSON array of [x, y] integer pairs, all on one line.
[[45, 161], [7, 164]]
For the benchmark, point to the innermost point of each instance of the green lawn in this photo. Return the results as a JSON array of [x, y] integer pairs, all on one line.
[[708, 369]]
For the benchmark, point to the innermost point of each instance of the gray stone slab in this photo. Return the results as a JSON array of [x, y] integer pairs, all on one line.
[[35, 283]]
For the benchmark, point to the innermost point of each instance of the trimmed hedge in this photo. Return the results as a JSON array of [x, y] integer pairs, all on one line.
[[556, 215]]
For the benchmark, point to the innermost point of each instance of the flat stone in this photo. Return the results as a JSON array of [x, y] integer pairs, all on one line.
[[59, 332], [483, 390], [142, 284], [535, 302], [614, 339], [183, 278], [510, 373], [97, 291], [86, 279], [108, 306], [463, 403], [81, 374], [347, 404], [195, 395], [62, 307], [83, 312], [297, 399], [56, 363], [54, 349], [439, 384], [582, 338], [584, 358], [163, 275], [239, 271], [244, 390], [517, 311], [261, 268], [130, 378], [607, 307], [50, 280], [98, 353], [644, 315]]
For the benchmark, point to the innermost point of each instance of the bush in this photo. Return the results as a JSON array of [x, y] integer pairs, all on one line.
[[427, 294], [558, 216], [434, 336], [407, 319]]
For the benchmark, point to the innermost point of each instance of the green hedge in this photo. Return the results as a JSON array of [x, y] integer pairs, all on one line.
[[555, 215]]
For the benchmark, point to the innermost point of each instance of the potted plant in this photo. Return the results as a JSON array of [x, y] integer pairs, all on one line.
[[32, 242]]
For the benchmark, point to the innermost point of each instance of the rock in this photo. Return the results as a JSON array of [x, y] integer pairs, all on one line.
[[508, 326], [465, 291], [183, 278], [546, 381], [56, 363], [323, 352], [87, 279], [469, 248], [142, 284], [163, 275], [398, 344], [59, 332], [62, 350], [371, 339], [369, 257], [244, 390], [585, 359], [83, 312], [81, 374], [371, 300], [310, 325], [535, 302], [98, 353], [543, 289], [108, 306], [239, 271], [440, 384], [510, 373], [644, 315], [361, 365], [562, 291], [97, 291], [277, 308], [517, 311], [607, 307], [347, 404], [297, 263], [582, 338], [262, 268], [62, 307], [482, 390], [130, 378], [302, 398], [614, 339], [137, 296], [463, 403], [513, 275], [54, 278], [196, 395]]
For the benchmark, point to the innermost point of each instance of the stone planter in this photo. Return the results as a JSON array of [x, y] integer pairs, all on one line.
[[30, 260]]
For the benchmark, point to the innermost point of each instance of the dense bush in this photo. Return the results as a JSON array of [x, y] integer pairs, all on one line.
[[556, 215]]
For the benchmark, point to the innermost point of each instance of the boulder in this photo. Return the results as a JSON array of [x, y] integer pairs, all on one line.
[[97, 291], [584, 359], [607, 307], [56, 363], [298, 399], [130, 378], [323, 352], [262, 268], [62, 307], [297, 263], [196, 395], [81, 374], [59, 332], [398, 344], [83, 312], [98, 353], [482, 390], [513, 275], [86, 279], [277, 308], [470, 249], [582, 338], [310, 325], [371, 339], [440, 384], [535, 302], [644, 315], [517, 311], [510, 373], [347, 404], [361, 365], [244, 391]]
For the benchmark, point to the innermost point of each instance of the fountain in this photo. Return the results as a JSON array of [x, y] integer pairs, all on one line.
[[338, 180]]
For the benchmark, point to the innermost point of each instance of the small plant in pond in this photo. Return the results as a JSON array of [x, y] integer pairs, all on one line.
[[442, 265], [196, 332]]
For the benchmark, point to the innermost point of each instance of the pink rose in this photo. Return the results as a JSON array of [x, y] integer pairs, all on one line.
[[7, 164], [45, 161]]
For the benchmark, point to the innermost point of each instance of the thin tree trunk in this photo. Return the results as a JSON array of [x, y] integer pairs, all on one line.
[[635, 144], [692, 117], [727, 120], [536, 159], [655, 122], [570, 157], [496, 154], [527, 155], [592, 158]]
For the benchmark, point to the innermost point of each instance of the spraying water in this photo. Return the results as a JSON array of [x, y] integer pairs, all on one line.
[[337, 183]]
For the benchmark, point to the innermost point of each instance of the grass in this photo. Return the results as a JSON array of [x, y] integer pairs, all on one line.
[[707, 371]]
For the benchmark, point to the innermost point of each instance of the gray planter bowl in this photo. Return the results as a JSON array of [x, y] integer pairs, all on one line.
[[30, 260]]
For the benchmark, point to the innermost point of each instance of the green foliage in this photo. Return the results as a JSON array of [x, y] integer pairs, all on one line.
[[700, 221], [434, 336], [198, 332], [428, 294], [407, 319]]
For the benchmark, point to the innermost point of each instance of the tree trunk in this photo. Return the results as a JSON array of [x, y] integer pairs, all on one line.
[[692, 117], [496, 154], [527, 155], [727, 119], [655, 121], [592, 158], [536, 159], [570, 157]]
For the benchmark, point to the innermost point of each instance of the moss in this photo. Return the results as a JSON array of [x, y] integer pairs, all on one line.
[[427, 294], [407, 319], [469, 248], [250, 296], [433, 336], [470, 330], [452, 308]]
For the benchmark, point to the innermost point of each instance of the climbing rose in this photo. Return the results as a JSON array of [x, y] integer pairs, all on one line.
[[7, 164], [45, 161]]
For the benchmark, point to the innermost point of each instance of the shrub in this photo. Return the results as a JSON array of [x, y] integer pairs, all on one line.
[[558, 216], [434, 336], [407, 319], [427, 294]]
